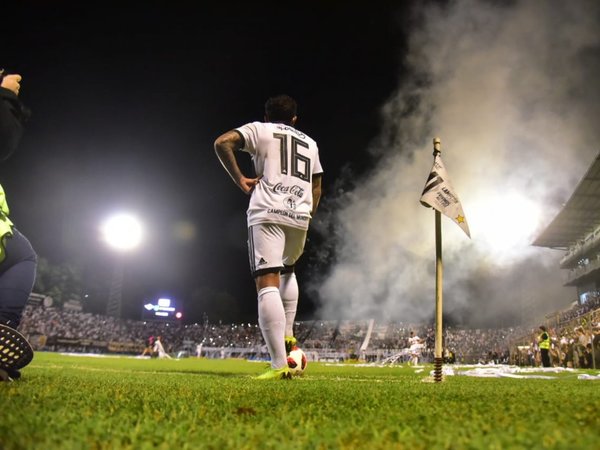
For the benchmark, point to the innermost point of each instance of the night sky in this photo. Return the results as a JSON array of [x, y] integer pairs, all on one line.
[[127, 101]]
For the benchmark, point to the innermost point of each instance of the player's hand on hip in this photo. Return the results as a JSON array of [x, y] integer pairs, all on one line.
[[248, 184], [12, 82]]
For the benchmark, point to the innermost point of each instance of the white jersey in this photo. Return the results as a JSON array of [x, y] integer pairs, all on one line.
[[415, 343], [158, 348], [286, 159]]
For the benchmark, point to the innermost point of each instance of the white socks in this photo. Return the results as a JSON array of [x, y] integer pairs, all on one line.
[[276, 315], [288, 289], [272, 322]]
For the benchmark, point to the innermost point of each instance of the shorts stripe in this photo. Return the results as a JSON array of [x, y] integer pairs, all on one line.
[[251, 249]]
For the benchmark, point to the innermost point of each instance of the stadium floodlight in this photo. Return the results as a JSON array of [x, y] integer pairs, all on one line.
[[122, 232]]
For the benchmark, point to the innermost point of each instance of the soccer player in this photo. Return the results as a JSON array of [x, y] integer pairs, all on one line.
[[149, 349], [283, 198], [159, 349], [415, 346]]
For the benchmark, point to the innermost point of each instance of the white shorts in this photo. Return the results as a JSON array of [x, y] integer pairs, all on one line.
[[415, 349], [272, 247]]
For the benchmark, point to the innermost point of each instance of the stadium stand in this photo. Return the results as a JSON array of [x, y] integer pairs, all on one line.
[[576, 230], [56, 329]]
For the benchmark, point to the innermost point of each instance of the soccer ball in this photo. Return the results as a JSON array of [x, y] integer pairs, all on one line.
[[297, 361]]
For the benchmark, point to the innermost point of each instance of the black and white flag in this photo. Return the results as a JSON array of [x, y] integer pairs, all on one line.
[[439, 194]]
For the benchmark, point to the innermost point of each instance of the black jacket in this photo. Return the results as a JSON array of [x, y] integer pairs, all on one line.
[[12, 119]]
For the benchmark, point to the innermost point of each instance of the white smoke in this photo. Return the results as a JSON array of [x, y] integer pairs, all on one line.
[[512, 92]]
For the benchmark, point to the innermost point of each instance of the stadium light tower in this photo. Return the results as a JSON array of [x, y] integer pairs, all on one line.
[[123, 233]]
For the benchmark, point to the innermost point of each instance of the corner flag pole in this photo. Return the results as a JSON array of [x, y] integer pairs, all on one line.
[[437, 373], [440, 195]]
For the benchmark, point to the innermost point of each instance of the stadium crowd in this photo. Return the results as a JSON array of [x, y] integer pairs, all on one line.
[[573, 342], [574, 336], [577, 310]]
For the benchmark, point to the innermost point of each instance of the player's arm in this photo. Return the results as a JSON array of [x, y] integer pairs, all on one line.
[[11, 116], [225, 146], [316, 191]]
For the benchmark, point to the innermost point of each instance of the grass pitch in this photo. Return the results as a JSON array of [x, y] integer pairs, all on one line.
[[78, 402]]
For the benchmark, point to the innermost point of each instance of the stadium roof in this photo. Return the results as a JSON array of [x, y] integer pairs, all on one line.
[[580, 215]]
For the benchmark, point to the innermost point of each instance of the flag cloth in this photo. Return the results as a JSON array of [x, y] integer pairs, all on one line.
[[439, 194]]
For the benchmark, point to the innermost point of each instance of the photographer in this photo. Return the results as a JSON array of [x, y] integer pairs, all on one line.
[[17, 258]]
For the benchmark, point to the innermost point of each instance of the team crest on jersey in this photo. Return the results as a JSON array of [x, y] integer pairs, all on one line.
[[290, 202]]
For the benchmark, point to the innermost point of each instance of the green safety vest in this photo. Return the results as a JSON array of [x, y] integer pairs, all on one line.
[[5, 223], [544, 342]]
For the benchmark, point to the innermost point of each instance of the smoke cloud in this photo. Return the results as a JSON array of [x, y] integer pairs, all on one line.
[[512, 91]]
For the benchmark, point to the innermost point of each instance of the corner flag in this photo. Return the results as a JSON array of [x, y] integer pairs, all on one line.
[[439, 194]]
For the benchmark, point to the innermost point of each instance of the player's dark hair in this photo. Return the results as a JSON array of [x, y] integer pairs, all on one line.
[[281, 108]]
